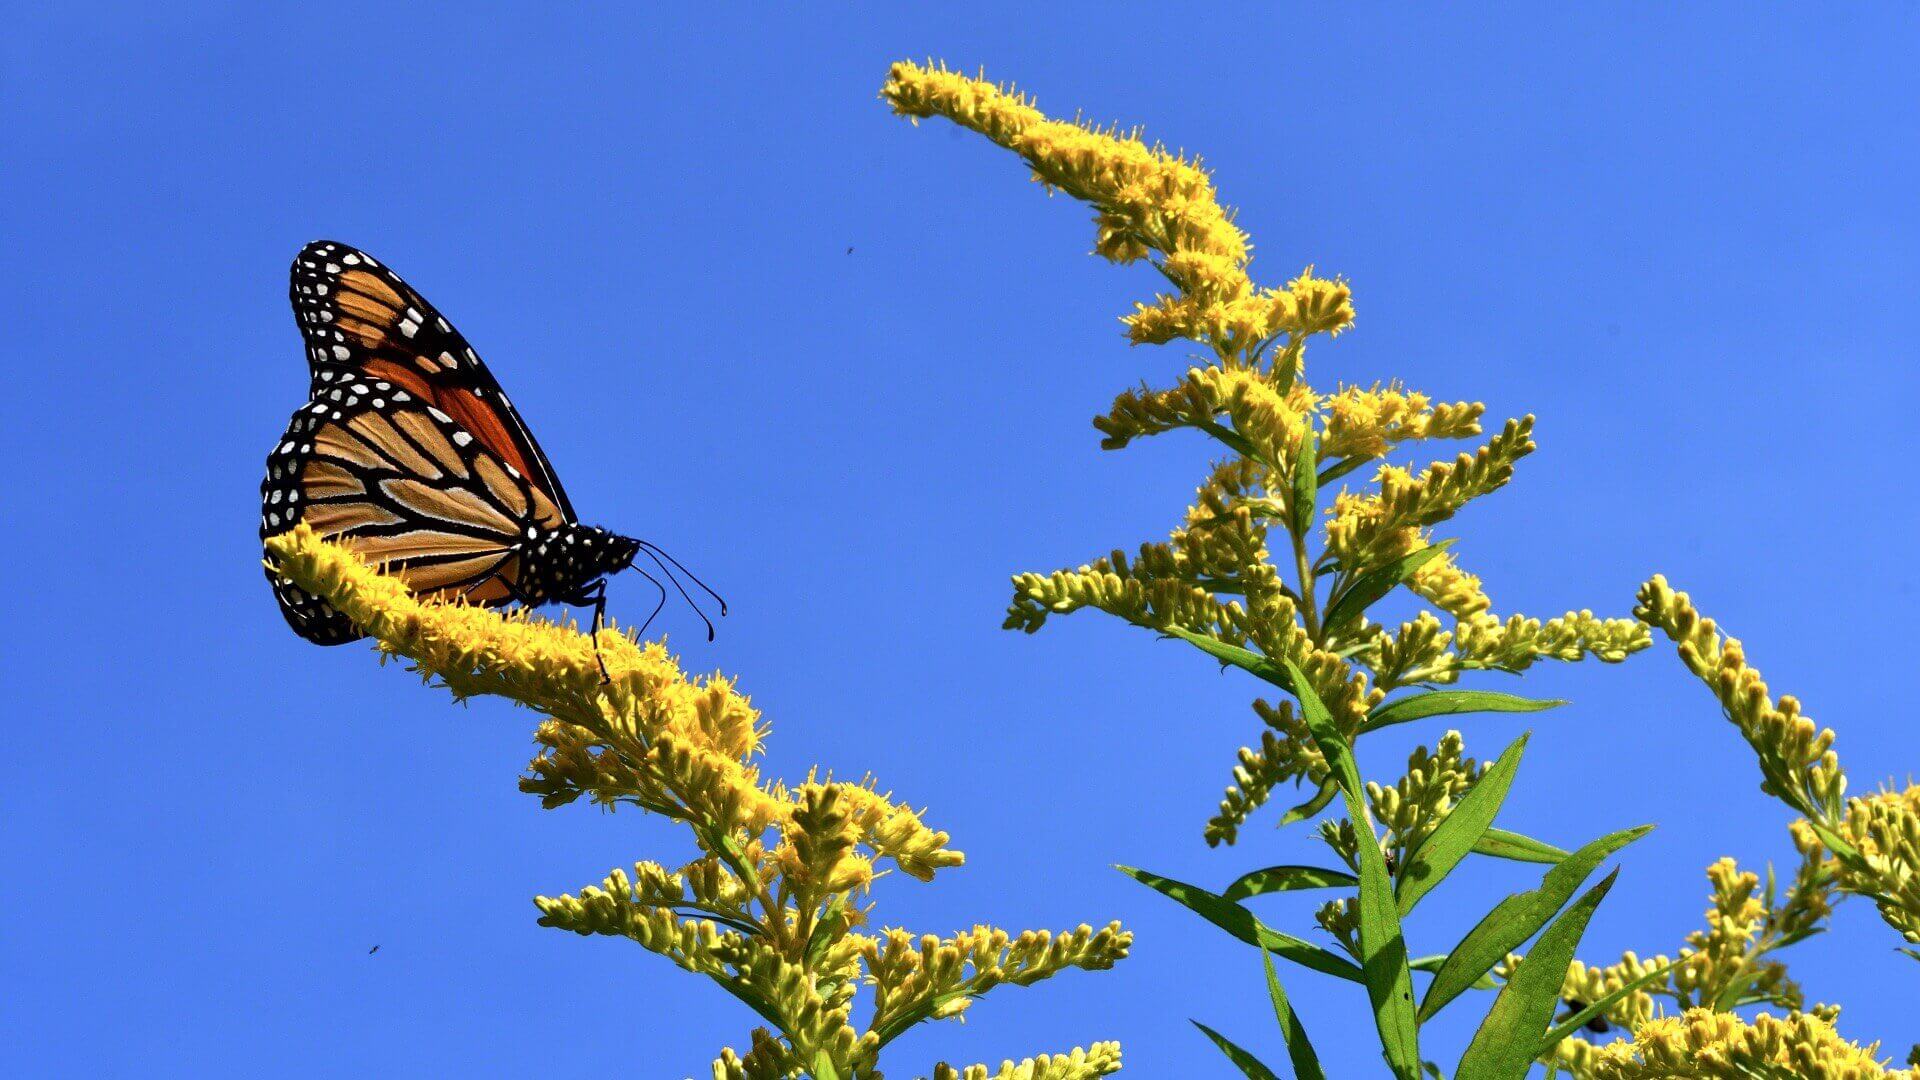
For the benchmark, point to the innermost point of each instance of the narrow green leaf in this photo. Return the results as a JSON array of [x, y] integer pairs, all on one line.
[[1246, 659], [1431, 964], [1915, 953], [1288, 879], [823, 1067], [821, 939], [1503, 1047], [1502, 844], [1233, 439], [1249, 1066], [1383, 948], [1450, 703], [1356, 598], [1306, 485], [1328, 788], [1306, 1063], [1341, 468], [1579, 1019], [1246, 926], [1436, 856], [1432, 1070], [1515, 919]]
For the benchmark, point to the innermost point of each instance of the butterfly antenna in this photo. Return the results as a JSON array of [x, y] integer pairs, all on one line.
[[661, 603], [668, 574], [659, 553]]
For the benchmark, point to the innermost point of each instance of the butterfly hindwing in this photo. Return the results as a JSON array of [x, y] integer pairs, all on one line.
[[406, 488]]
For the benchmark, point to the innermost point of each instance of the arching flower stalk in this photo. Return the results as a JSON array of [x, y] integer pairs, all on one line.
[[775, 905]]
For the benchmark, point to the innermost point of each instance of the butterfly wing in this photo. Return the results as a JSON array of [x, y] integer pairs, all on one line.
[[407, 488], [361, 321], [408, 451]]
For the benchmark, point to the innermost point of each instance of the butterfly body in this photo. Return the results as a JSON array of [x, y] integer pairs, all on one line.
[[408, 452]]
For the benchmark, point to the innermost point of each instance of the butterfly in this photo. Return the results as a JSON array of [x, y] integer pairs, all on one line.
[[408, 452]]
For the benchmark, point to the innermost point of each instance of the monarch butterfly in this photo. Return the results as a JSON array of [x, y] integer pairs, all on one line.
[[408, 452]]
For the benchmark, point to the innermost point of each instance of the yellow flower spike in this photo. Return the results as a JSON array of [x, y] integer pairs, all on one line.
[[1711, 1045], [1513, 644], [1148, 201], [1792, 751], [1366, 532], [1885, 829], [767, 909], [1421, 799], [1799, 767], [1100, 1059], [1367, 423], [1318, 306], [1449, 588]]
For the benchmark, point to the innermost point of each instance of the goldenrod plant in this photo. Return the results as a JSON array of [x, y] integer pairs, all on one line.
[[1862, 846], [1268, 574], [775, 906]]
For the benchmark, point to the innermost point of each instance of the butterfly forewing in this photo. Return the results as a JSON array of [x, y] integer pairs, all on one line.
[[361, 320]]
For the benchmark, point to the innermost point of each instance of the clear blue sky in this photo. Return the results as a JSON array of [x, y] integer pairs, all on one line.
[[1688, 243]]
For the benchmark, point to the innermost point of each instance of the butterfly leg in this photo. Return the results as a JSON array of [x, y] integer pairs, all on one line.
[[599, 623]]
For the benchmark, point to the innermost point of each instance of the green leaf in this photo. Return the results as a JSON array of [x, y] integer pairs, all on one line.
[[1502, 844], [824, 930], [1341, 468], [1244, 925], [1383, 948], [1431, 964], [1306, 485], [1503, 1047], [1436, 856], [1579, 1019], [1915, 953], [1288, 879], [1246, 659], [1449, 703], [1305, 810], [1515, 919], [1306, 1063], [1356, 598], [1250, 1066]]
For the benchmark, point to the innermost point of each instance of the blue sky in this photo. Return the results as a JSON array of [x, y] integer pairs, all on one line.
[[1685, 241]]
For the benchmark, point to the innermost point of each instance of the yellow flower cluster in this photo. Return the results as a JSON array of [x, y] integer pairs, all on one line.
[[1723, 966], [769, 908], [1369, 530], [1416, 804], [1149, 202], [1443, 584], [1099, 1059], [1269, 421], [1708, 1045], [1515, 643], [1148, 198], [1796, 756], [1366, 423], [1874, 841], [1884, 829]]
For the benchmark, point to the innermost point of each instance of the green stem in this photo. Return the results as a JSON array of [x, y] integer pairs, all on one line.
[[1309, 610]]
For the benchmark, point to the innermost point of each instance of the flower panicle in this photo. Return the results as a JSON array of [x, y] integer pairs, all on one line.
[[767, 909]]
